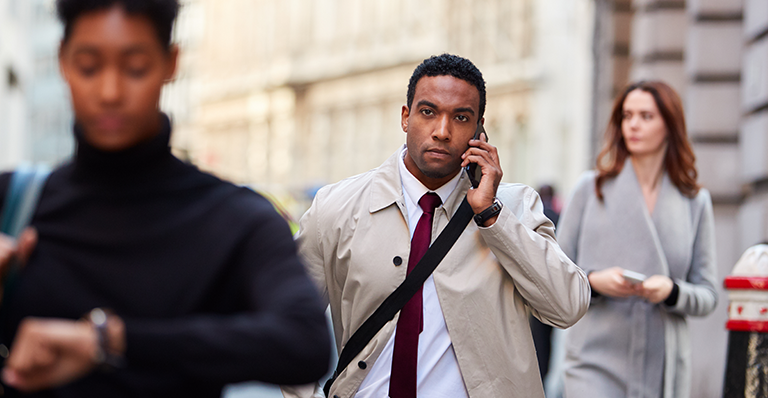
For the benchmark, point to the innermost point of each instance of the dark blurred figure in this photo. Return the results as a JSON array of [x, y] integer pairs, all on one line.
[[547, 193], [542, 334]]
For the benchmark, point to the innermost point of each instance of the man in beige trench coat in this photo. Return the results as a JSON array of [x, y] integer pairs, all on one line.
[[355, 239]]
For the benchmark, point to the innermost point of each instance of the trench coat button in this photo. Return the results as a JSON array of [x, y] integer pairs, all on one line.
[[362, 364], [397, 261], [335, 396]]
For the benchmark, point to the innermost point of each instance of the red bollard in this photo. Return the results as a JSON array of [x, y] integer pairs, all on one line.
[[746, 372]]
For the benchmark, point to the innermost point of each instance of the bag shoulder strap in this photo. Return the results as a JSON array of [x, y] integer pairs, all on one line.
[[397, 299], [21, 198]]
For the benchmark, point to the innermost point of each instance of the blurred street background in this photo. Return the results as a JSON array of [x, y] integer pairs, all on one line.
[[289, 95]]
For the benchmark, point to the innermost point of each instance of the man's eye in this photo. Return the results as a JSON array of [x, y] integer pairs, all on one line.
[[427, 112], [462, 118]]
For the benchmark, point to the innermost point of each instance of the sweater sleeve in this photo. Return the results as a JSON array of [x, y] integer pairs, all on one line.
[[697, 294], [281, 336]]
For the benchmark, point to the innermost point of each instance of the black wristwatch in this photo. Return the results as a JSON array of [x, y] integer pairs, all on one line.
[[490, 212], [105, 360]]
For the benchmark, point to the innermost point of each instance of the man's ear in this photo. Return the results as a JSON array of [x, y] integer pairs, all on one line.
[[404, 113], [173, 62]]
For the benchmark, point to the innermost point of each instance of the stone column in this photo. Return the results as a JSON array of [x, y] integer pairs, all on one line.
[[658, 41], [753, 135], [712, 80], [612, 63]]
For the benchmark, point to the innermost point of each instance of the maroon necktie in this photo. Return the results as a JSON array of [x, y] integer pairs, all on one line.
[[402, 382]]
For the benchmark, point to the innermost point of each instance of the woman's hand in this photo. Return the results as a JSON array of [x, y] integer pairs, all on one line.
[[20, 250], [48, 353], [609, 282], [656, 288]]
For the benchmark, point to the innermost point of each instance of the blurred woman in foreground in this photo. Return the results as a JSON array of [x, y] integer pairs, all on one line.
[[191, 282]]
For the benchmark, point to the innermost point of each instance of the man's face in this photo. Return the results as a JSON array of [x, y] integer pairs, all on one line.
[[115, 67], [441, 121]]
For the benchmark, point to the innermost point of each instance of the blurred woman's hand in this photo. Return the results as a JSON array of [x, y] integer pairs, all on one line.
[[609, 282], [656, 288], [49, 353], [20, 250]]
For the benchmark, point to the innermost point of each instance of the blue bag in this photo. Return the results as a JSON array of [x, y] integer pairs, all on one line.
[[20, 203], [21, 198]]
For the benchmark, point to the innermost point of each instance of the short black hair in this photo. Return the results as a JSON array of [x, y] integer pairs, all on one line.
[[448, 65], [162, 13]]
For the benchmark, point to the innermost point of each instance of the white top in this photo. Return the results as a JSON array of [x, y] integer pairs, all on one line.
[[438, 374]]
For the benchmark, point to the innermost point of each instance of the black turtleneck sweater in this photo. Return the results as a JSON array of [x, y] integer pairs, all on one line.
[[204, 273]]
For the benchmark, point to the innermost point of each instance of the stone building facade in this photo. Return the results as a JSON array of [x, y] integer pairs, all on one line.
[[293, 94], [715, 53], [35, 117]]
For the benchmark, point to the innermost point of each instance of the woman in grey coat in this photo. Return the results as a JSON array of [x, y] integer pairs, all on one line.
[[641, 210]]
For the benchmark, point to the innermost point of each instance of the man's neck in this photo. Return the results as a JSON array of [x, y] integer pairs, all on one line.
[[431, 183]]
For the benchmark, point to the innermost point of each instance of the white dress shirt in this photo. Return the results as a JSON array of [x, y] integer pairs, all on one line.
[[438, 374]]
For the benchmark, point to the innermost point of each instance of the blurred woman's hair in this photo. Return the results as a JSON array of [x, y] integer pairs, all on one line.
[[679, 160], [161, 13]]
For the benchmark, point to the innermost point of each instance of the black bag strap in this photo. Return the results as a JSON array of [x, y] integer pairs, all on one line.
[[397, 299]]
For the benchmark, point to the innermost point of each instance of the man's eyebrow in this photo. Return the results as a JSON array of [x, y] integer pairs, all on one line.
[[455, 110], [464, 110], [427, 103]]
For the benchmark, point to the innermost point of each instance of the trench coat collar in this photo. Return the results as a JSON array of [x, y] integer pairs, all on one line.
[[387, 188]]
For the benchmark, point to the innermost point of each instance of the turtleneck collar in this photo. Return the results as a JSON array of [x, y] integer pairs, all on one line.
[[142, 160]]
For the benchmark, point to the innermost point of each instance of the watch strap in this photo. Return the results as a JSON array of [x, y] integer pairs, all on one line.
[[492, 211], [105, 359]]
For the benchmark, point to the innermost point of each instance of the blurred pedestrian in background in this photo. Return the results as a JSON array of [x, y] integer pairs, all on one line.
[[542, 333], [190, 282], [643, 211]]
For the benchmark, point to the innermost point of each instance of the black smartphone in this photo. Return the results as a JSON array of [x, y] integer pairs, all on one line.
[[474, 172]]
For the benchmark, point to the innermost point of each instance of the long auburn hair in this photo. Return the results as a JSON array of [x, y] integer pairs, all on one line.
[[679, 161]]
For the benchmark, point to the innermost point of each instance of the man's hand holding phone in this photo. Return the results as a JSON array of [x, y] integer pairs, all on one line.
[[486, 157]]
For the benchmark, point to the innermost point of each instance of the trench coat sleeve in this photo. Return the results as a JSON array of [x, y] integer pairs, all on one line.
[[698, 296], [311, 252], [523, 241], [569, 227], [309, 241]]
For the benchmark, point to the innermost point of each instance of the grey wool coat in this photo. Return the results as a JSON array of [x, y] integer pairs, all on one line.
[[628, 347]]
